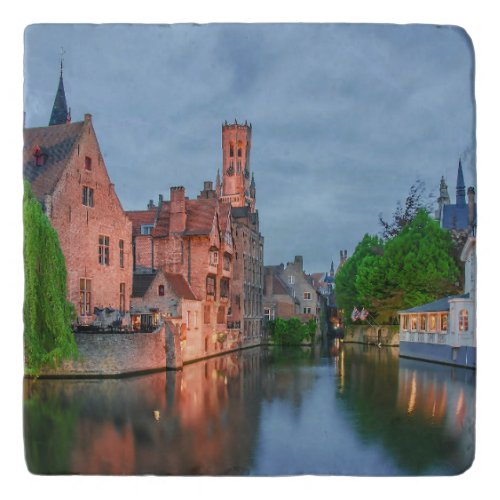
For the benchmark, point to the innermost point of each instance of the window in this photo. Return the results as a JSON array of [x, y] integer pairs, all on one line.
[[104, 250], [161, 290], [307, 310], [146, 228], [122, 254], [444, 322], [224, 287], [226, 262], [88, 163], [88, 196], [291, 280], [405, 322], [40, 157], [307, 295], [85, 296], [122, 297], [413, 322], [231, 149], [432, 323], [206, 315], [423, 322], [214, 257], [267, 313], [221, 315], [463, 320], [211, 286]]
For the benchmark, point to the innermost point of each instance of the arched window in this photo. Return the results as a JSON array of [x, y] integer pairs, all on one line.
[[463, 320], [231, 149], [161, 290]]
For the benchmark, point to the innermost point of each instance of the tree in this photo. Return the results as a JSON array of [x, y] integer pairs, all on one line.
[[48, 338], [346, 290], [414, 267], [403, 216]]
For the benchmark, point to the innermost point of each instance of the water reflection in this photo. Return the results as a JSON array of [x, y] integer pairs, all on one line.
[[351, 410]]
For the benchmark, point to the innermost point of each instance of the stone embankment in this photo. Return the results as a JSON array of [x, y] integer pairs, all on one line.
[[364, 334]]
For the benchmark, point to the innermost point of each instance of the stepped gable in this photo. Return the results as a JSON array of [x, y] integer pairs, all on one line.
[[180, 286], [55, 144], [224, 209]]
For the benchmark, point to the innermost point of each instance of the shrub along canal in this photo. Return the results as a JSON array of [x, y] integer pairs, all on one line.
[[346, 410]]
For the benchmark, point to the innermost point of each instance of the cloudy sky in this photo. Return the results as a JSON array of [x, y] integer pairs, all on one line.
[[345, 117]]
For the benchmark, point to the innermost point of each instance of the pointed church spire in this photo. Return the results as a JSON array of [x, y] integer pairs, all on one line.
[[252, 187], [60, 113], [460, 185], [332, 269]]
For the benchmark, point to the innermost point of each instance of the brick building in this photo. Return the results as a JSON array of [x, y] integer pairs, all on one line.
[[279, 300], [239, 191], [65, 168], [192, 239]]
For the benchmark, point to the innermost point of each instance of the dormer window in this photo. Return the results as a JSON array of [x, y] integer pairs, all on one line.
[[146, 228], [39, 156], [88, 163]]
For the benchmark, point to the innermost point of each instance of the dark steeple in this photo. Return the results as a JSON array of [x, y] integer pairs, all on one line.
[[460, 186], [60, 112]]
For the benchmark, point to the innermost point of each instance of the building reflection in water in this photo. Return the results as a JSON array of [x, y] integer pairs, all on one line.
[[207, 418]]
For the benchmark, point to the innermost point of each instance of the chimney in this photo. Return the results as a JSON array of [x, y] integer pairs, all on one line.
[[88, 117], [151, 205], [178, 214], [471, 205], [268, 282], [299, 261], [207, 186]]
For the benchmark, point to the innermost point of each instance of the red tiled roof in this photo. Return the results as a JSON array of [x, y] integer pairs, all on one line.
[[57, 142], [180, 286], [200, 215], [140, 217]]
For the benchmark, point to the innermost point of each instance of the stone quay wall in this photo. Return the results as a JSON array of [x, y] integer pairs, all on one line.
[[366, 334], [115, 354]]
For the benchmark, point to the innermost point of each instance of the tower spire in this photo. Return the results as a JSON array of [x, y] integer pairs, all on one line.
[[460, 185], [60, 113]]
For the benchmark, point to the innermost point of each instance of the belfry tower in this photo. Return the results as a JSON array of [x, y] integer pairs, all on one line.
[[237, 186]]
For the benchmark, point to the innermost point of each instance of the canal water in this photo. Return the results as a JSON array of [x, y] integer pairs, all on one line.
[[343, 410]]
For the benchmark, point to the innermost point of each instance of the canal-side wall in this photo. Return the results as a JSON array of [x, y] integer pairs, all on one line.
[[365, 334], [114, 355]]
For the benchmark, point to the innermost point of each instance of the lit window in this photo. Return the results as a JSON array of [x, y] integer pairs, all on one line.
[[444, 322], [307, 295], [405, 322], [413, 322], [432, 322], [104, 250], [87, 196], [85, 296], [463, 320], [161, 290], [423, 322]]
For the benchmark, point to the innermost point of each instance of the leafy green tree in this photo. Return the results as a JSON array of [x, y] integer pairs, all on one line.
[[48, 338], [346, 291], [414, 267], [291, 331]]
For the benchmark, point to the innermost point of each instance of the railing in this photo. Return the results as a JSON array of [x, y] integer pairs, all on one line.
[[233, 325]]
